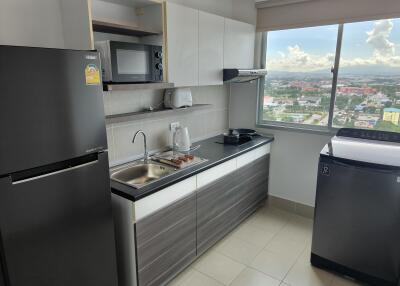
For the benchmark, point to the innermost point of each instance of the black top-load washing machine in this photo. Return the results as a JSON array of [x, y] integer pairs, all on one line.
[[357, 208]]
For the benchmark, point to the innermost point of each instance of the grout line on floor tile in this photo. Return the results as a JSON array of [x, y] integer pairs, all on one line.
[[212, 278], [266, 274], [238, 275], [296, 260]]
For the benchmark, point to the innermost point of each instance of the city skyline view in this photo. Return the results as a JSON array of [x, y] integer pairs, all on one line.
[[299, 83]]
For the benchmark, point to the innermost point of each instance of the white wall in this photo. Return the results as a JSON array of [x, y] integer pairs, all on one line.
[[106, 11], [202, 123], [294, 165], [31, 23], [45, 23]]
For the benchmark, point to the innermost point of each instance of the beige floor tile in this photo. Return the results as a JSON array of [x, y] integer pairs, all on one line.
[[276, 212], [251, 234], [198, 279], [219, 267], [301, 221], [268, 221], [273, 264], [300, 232], [340, 281], [306, 254], [239, 250], [251, 277], [286, 246], [303, 274], [182, 277], [284, 284]]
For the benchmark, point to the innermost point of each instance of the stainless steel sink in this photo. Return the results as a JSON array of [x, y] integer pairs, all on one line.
[[141, 174]]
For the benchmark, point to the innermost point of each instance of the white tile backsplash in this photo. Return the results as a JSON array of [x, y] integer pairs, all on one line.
[[201, 123]]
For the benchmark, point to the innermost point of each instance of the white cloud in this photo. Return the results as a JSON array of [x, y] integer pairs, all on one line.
[[298, 60], [378, 38]]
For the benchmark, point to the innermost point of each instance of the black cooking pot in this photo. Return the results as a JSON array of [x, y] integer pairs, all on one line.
[[243, 132], [232, 137]]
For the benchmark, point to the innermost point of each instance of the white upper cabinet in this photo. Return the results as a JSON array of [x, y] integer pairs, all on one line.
[[200, 45], [182, 45], [239, 41], [211, 49]]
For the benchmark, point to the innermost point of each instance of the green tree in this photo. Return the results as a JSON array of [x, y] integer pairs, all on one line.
[[341, 102], [387, 126]]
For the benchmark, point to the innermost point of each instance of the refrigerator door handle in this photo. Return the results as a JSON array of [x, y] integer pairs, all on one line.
[[53, 173]]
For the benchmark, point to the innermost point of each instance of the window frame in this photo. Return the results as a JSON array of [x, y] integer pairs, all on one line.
[[298, 127]]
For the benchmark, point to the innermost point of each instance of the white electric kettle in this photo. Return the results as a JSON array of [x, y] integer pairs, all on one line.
[[181, 139]]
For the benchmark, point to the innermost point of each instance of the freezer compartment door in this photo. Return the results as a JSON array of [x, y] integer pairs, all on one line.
[[357, 218], [57, 229], [51, 106]]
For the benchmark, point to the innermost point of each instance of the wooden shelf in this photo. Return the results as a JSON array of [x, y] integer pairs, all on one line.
[[122, 29], [137, 86], [117, 118]]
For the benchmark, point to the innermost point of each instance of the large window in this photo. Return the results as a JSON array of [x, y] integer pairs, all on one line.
[[333, 76]]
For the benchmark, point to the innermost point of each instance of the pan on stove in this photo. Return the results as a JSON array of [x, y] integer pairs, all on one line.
[[244, 132]]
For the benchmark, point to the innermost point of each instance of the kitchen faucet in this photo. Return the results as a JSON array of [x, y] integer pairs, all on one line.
[[146, 154]]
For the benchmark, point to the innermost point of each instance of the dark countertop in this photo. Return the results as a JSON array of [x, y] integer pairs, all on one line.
[[216, 153]]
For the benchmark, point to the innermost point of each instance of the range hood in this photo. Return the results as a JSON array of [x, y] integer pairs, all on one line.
[[243, 75]]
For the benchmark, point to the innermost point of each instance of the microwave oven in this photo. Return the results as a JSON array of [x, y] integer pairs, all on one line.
[[124, 62]]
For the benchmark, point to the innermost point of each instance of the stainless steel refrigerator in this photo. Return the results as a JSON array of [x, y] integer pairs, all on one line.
[[56, 225]]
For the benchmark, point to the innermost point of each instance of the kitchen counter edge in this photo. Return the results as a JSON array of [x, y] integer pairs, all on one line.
[[133, 194]]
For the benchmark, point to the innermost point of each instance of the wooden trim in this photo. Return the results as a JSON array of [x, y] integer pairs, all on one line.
[[165, 40], [91, 35]]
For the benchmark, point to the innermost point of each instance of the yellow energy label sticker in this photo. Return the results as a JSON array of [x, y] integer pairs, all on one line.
[[92, 75]]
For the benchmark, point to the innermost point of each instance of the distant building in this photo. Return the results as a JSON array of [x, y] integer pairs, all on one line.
[[309, 100], [392, 115], [350, 90]]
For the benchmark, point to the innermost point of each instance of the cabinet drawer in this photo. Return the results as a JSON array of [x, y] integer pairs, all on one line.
[[163, 198], [253, 155], [223, 204], [166, 242], [215, 173]]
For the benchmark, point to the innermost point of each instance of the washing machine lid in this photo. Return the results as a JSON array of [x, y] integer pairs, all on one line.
[[379, 150]]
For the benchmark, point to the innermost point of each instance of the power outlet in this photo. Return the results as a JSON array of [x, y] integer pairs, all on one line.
[[173, 126]]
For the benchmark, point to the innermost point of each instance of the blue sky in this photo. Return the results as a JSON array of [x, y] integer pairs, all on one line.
[[364, 43]]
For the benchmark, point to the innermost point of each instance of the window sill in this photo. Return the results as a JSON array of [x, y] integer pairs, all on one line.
[[299, 128]]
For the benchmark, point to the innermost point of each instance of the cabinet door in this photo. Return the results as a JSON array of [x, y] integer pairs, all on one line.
[[239, 41], [182, 45], [166, 242], [223, 204], [211, 49]]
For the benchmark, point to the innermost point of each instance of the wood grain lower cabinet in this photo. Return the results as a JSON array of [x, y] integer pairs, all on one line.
[[223, 204], [166, 242]]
